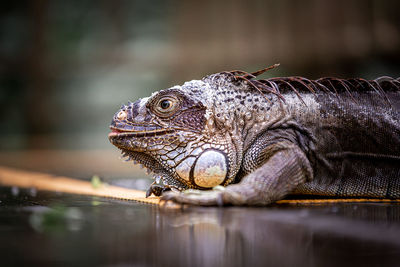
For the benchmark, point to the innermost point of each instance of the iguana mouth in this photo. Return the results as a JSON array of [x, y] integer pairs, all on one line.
[[138, 132]]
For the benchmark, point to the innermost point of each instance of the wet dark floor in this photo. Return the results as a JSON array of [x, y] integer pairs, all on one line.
[[50, 229]]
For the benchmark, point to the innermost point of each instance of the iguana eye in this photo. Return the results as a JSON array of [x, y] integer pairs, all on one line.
[[166, 106]]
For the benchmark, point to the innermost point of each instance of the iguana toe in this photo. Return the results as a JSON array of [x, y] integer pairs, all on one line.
[[195, 197]]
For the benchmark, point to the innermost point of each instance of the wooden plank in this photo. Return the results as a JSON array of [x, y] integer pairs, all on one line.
[[47, 182], [336, 200], [42, 181]]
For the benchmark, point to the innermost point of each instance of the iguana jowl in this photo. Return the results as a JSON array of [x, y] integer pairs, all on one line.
[[252, 142]]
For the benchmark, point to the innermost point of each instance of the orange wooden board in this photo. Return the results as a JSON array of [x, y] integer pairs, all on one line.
[[42, 181], [47, 182]]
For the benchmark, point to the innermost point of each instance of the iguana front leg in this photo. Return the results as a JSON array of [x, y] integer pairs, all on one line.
[[283, 166]]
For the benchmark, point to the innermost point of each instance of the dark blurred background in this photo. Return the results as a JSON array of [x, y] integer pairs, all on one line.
[[67, 66]]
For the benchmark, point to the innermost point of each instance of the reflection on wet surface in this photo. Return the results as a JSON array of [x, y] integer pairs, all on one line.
[[51, 229]]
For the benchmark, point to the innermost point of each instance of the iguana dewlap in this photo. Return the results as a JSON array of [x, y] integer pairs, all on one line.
[[244, 141]]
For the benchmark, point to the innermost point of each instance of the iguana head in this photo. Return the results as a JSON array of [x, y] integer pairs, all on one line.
[[189, 136]]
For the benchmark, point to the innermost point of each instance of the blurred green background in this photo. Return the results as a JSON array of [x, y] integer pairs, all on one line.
[[67, 66]]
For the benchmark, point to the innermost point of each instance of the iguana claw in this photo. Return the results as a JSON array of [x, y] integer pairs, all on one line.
[[156, 190]]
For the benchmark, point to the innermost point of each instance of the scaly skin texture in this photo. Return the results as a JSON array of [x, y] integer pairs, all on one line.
[[232, 139]]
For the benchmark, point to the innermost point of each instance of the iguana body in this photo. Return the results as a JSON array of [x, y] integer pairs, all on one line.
[[264, 139]]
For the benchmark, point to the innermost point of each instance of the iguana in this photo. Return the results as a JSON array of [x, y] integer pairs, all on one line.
[[232, 139]]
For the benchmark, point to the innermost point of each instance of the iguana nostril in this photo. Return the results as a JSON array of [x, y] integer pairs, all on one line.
[[122, 115]]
